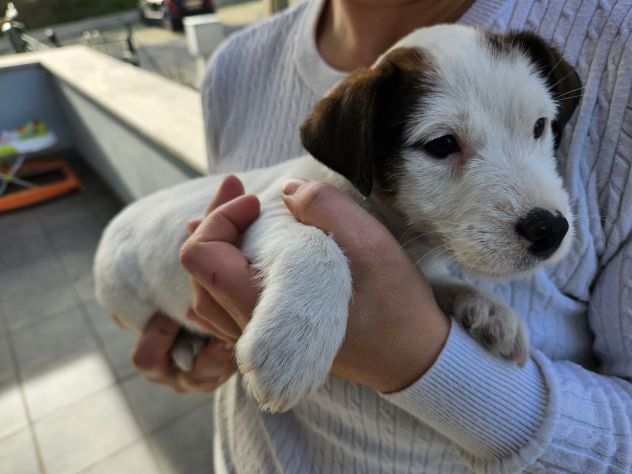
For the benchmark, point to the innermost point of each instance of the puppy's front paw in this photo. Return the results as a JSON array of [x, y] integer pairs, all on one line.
[[492, 324], [287, 351]]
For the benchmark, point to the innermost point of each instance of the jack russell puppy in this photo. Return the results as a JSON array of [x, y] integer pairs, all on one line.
[[449, 139]]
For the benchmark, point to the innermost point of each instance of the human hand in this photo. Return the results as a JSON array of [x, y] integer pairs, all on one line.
[[224, 292], [215, 363], [395, 329], [152, 357]]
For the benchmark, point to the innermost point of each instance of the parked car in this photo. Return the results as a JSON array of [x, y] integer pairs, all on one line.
[[172, 12]]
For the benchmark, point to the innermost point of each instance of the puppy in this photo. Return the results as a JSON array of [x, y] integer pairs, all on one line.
[[448, 139]]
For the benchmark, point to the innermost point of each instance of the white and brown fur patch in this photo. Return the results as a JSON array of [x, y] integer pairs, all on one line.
[[450, 137], [487, 94]]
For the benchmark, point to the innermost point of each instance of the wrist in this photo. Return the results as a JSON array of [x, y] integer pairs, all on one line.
[[414, 350]]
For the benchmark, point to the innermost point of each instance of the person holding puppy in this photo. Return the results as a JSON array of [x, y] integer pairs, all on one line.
[[409, 392]]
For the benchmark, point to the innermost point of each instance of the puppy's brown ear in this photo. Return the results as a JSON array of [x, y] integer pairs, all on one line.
[[562, 79], [357, 124]]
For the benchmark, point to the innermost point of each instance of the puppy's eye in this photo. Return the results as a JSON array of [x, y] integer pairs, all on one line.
[[442, 147], [538, 128]]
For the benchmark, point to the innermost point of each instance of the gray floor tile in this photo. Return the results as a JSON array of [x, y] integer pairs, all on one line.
[[55, 341], [25, 309], [79, 262], [62, 384], [22, 244], [84, 286], [7, 365], [67, 213], [117, 343], [186, 445], [17, 454], [23, 221], [12, 410], [31, 277], [76, 234], [60, 362], [80, 435], [155, 405], [135, 459]]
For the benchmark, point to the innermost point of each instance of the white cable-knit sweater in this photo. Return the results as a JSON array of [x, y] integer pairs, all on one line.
[[570, 408]]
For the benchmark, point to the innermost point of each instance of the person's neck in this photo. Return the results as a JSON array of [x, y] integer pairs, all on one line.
[[354, 33]]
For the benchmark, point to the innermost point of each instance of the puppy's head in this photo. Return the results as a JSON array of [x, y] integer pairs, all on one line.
[[456, 130]]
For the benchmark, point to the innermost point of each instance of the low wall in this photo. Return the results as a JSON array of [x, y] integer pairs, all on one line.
[[28, 92], [140, 132]]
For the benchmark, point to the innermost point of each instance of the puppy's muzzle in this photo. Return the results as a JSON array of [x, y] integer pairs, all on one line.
[[544, 230]]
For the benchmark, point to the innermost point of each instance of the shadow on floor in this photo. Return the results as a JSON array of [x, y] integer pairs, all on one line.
[[70, 401]]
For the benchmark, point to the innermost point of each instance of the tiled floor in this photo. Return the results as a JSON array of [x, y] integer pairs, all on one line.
[[70, 401]]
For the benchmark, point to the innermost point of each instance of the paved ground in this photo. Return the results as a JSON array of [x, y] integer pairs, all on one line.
[[70, 401]]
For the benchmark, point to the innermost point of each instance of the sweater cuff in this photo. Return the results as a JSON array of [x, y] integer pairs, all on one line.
[[489, 407]]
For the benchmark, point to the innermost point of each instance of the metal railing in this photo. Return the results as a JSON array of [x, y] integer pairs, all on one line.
[[21, 42]]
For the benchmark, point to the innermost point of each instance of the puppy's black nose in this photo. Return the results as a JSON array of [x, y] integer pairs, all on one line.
[[544, 230]]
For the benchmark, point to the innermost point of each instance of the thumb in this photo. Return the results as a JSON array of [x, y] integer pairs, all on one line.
[[324, 206]]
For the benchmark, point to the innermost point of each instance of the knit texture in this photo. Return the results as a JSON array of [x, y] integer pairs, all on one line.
[[570, 408]]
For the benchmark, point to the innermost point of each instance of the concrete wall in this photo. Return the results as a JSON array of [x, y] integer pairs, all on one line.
[[132, 165], [140, 132], [27, 92]]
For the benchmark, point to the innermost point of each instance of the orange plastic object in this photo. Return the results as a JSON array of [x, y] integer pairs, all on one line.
[[36, 194]]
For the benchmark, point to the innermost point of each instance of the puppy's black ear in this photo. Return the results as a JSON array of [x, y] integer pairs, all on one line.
[[562, 79], [357, 124]]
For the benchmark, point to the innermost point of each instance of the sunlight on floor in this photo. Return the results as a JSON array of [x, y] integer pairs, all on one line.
[[70, 400]]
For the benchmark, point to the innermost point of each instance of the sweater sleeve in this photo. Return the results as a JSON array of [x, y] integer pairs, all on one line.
[[547, 416]]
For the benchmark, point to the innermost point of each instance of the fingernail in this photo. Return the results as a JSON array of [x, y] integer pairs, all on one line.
[[291, 186]]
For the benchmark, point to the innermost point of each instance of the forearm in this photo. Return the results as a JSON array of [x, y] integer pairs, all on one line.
[[508, 419]]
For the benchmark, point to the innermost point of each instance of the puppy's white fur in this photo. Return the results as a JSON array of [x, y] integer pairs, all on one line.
[[299, 322]]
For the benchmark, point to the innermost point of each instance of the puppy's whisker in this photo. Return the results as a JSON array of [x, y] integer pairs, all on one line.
[[557, 64], [434, 253], [569, 92], [566, 99], [565, 76]]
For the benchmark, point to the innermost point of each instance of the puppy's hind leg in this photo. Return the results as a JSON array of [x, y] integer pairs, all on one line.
[[298, 326]]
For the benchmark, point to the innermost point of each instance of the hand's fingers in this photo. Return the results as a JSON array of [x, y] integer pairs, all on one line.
[[221, 268], [230, 189], [213, 241], [151, 354], [192, 225], [229, 279], [211, 316], [215, 363], [323, 206], [212, 367], [228, 221]]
